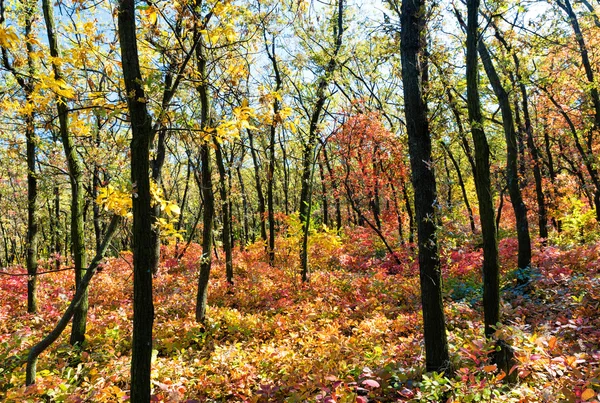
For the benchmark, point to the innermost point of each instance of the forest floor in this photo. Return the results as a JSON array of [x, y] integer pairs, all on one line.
[[353, 334]]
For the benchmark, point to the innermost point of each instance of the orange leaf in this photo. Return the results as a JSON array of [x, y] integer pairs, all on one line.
[[501, 376], [588, 394], [552, 342], [490, 368]]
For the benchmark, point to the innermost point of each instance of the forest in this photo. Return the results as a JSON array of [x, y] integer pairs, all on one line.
[[299, 201]]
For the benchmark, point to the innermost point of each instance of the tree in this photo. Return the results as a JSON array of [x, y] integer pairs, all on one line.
[[512, 173], [143, 239], [26, 81], [491, 282], [75, 166], [308, 152], [414, 65]]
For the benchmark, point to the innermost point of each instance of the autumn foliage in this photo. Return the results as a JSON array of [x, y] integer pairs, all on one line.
[[352, 334]]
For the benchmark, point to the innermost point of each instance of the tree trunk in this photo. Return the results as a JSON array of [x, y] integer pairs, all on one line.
[[81, 290], [75, 167], [585, 60], [324, 200], [308, 154], [413, 51], [207, 191], [461, 183], [225, 216], [512, 173], [143, 237], [259, 191], [409, 212], [491, 275], [272, 131], [244, 208]]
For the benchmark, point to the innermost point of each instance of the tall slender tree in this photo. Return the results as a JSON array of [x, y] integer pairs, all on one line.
[[512, 173], [413, 52], [75, 167], [483, 187], [308, 152], [144, 244]]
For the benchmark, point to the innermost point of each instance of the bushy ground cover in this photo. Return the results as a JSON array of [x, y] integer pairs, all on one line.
[[353, 334]]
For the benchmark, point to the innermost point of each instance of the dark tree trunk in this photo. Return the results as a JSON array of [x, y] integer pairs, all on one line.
[[324, 199], [588, 157], [186, 189], [413, 50], [143, 237], [225, 216], [308, 154], [491, 275], [448, 183], [207, 192], [512, 173], [96, 183], [334, 187], [81, 290], [259, 191], [75, 167], [272, 132], [585, 59], [244, 208], [528, 129], [32, 218]]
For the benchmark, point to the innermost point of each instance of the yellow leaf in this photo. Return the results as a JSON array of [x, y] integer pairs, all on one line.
[[588, 394], [8, 38], [172, 209], [152, 16]]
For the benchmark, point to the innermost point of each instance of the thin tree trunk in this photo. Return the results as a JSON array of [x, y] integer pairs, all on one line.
[[244, 207], [586, 154], [461, 183], [334, 187], [80, 292], [528, 128], [512, 173], [75, 167], [585, 60], [324, 200], [308, 154], [409, 212], [143, 231], [272, 132], [225, 216], [259, 191], [206, 188]]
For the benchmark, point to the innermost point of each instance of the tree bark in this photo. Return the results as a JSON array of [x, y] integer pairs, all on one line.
[[308, 154], [512, 173], [413, 50], [259, 191], [75, 167], [272, 131], [225, 216], [491, 275], [206, 190], [143, 232]]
